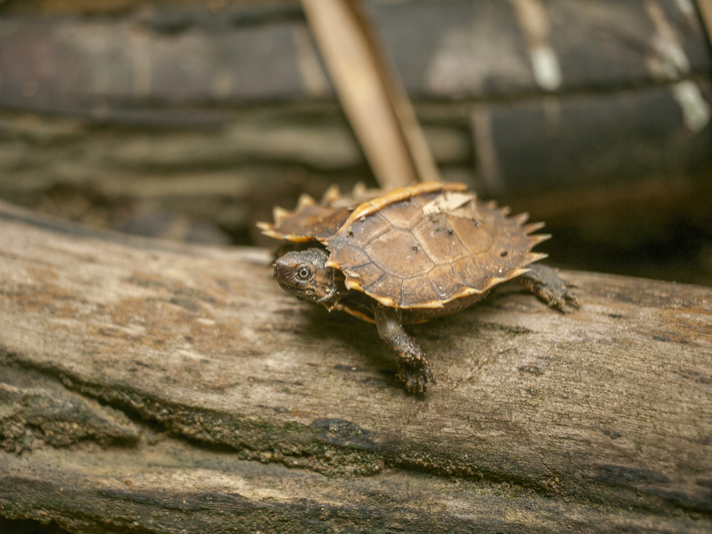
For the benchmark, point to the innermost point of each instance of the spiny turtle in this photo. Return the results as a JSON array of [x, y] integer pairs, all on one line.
[[406, 257]]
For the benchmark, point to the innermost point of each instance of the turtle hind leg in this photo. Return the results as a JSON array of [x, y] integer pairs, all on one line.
[[413, 366], [546, 284]]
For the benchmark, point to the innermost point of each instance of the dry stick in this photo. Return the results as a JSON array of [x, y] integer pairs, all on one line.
[[373, 99], [705, 9]]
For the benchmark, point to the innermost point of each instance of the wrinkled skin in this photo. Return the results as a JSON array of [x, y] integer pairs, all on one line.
[[305, 275]]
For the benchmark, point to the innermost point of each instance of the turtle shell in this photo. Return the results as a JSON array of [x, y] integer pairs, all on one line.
[[312, 221], [427, 245], [416, 247]]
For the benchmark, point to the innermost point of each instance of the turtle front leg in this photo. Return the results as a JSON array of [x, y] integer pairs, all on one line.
[[546, 284], [413, 366]]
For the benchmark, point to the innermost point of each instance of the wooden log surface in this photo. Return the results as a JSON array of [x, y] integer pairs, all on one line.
[[162, 387]]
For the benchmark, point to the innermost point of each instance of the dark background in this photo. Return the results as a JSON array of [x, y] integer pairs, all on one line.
[[190, 120]]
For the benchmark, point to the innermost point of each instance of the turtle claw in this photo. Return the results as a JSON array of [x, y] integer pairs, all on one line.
[[415, 377], [566, 297], [559, 296]]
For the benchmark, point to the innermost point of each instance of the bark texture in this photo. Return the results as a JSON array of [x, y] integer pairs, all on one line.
[[160, 387]]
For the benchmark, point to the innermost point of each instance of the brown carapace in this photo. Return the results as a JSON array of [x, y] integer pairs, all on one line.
[[406, 257]]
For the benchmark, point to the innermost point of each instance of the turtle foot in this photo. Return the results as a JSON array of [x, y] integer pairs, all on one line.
[[415, 376], [549, 287], [413, 366]]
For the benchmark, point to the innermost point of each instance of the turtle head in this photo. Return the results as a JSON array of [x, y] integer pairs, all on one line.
[[305, 275]]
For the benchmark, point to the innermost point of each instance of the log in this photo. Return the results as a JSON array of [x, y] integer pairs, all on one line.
[[151, 386]]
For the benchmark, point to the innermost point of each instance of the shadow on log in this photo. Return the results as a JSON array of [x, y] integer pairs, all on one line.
[[158, 387]]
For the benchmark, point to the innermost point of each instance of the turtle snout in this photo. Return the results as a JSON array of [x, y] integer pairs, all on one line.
[[285, 267]]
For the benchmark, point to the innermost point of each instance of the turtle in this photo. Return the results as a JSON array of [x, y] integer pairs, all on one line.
[[408, 256]]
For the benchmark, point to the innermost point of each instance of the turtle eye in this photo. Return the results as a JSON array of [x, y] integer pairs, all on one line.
[[304, 273]]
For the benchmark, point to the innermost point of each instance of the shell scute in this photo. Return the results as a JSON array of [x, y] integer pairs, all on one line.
[[403, 214], [347, 254], [470, 272], [309, 222], [387, 290], [399, 253], [363, 276], [476, 235], [420, 291], [439, 241], [366, 229], [509, 258], [444, 281]]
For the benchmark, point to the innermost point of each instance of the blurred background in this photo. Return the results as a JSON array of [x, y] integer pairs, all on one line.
[[190, 120]]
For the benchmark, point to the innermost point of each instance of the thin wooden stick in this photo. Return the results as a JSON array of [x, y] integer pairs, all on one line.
[[373, 99]]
